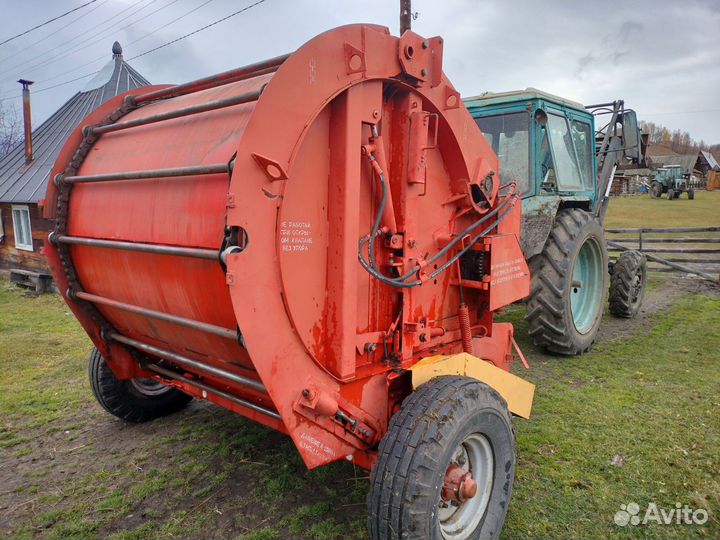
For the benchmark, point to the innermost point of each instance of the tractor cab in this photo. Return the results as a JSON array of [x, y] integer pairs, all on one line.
[[563, 167], [544, 142]]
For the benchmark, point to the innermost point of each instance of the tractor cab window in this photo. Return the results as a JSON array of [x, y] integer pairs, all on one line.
[[583, 138], [509, 136], [569, 177], [547, 169]]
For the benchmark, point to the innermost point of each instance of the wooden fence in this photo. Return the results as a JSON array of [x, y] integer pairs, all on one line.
[[688, 250]]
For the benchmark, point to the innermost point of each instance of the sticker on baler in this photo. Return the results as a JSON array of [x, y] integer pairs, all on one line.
[[505, 271], [295, 236], [314, 446]]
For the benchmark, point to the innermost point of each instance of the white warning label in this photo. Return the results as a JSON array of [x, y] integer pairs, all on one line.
[[505, 271], [295, 236]]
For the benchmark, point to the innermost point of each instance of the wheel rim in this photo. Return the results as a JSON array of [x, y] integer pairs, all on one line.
[[636, 288], [458, 522], [149, 387], [586, 286]]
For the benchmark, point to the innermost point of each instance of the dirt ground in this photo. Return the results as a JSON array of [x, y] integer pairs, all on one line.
[[204, 471], [663, 291]]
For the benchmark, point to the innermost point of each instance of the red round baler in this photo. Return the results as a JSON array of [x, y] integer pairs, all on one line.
[[317, 242]]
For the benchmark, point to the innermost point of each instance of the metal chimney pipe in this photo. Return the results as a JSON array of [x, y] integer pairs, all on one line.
[[27, 120]]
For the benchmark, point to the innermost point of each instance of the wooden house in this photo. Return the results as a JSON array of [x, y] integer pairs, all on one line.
[[25, 171]]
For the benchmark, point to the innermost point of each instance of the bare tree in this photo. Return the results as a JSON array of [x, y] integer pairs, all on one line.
[[11, 129]]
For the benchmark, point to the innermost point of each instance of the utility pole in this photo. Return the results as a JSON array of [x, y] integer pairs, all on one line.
[[405, 16]]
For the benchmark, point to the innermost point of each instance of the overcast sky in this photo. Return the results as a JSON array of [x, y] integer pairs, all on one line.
[[661, 56]]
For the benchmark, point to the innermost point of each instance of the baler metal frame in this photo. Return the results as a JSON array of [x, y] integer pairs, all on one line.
[[357, 94]]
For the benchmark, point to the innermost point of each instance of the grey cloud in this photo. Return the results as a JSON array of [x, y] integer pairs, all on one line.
[[660, 56]]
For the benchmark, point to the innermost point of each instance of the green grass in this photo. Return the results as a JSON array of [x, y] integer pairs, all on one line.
[[645, 211], [653, 401], [71, 471], [40, 342]]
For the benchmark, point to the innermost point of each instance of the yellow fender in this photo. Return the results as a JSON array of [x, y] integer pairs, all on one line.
[[517, 392]]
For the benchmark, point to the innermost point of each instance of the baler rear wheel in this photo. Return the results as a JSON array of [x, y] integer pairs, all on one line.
[[627, 284], [568, 285], [446, 465], [136, 400]]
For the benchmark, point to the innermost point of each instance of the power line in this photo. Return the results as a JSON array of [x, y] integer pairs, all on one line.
[[34, 44], [47, 22], [150, 50], [680, 112], [198, 30], [104, 56], [171, 22], [82, 37], [66, 46]]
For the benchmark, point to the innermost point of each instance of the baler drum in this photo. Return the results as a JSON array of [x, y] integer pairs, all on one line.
[[209, 234]]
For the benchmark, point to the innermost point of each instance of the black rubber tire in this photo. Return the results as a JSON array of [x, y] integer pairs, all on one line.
[[549, 316], [671, 194], [656, 190], [414, 454], [626, 294], [122, 398], [691, 194]]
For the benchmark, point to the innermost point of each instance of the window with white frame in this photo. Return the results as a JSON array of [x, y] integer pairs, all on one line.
[[21, 224]]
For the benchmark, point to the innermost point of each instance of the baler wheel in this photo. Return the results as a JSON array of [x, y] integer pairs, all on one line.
[[691, 194], [627, 284], [671, 194], [446, 465], [136, 400], [568, 285]]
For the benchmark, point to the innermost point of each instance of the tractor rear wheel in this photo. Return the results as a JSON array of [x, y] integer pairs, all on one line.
[[446, 465], [568, 285], [671, 194], [136, 400], [656, 190], [627, 284]]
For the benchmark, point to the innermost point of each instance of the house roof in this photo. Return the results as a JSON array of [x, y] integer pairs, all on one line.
[[711, 160], [686, 161], [21, 183]]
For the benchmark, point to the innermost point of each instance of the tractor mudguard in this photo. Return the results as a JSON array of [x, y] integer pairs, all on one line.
[[537, 221]]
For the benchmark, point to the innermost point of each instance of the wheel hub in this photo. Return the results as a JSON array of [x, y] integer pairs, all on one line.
[[636, 287], [586, 286], [149, 387], [466, 488], [459, 485]]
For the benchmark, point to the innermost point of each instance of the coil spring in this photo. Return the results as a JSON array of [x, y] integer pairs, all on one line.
[[465, 333]]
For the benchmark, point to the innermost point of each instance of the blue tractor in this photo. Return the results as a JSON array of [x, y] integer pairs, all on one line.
[[564, 167], [673, 180]]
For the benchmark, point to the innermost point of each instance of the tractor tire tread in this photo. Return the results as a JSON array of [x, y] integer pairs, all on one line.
[[545, 305], [629, 263]]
